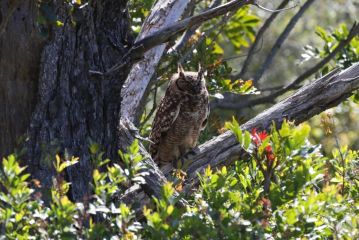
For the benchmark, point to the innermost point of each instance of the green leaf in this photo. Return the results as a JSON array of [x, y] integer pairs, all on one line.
[[247, 140]]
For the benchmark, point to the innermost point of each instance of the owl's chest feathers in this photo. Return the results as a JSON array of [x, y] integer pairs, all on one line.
[[185, 131], [187, 125]]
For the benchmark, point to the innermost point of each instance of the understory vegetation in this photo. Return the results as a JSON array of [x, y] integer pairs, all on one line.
[[285, 189]]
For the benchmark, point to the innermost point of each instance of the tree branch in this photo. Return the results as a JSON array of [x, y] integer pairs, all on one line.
[[310, 100], [259, 37], [189, 32], [281, 40], [354, 31], [163, 14]]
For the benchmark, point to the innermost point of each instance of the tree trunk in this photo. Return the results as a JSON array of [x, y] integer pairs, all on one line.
[[74, 109], [20, 49]]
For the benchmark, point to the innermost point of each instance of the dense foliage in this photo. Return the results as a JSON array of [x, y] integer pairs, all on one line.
[[285, 189]]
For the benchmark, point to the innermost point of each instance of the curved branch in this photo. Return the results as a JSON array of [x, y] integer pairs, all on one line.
[[259, 36], [273, 10], [164, 34], [163, 14], [281, 40]]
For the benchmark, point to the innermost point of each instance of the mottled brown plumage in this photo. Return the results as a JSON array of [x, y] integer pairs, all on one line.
[[181, 116]]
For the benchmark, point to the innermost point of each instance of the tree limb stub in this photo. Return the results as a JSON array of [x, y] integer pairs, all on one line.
[[308, 101], [141, 73]]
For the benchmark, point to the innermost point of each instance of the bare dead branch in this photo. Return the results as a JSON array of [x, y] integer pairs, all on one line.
[[283, 36], [259, 37], [310, 100], [163, 35]]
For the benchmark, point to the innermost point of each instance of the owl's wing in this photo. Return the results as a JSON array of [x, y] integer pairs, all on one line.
[[166, 114]]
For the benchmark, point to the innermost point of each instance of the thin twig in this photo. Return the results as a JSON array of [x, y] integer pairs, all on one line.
[[273, 10], [241, 56], [220, 24], [354, 31], [284, 35], [259, 37]]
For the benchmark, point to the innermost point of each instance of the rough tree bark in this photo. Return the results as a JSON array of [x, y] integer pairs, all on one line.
[[20, 49], [74, 109]]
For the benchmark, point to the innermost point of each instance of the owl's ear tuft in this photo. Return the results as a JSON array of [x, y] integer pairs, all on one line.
[[180, 71]]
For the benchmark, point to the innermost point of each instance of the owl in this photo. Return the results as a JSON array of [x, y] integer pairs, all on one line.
[[181, 116]]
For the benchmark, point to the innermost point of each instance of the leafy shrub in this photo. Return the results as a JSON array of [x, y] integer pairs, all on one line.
[[286, 189]]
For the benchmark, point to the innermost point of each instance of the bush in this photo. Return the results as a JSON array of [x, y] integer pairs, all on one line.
[[285, 190]]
